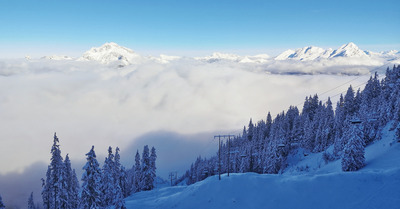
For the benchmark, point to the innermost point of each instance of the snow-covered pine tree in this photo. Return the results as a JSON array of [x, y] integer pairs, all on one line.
[[138, 173], [2, 206], [369, 107], [325, 127], [74, 192], [353, 155], [57, 168], [72, 185], [153, 158], [56, 183], [349, 103], [119, 202], [146, 172], [250, 130], [108, 181], [46, 190], [121, 180], [268, 124], [339, 126], [91, 178], [31, 204]]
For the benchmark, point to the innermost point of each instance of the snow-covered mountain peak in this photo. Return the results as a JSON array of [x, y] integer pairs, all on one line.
[[111, 52], [313, 53], [348, 50], [305, 53]]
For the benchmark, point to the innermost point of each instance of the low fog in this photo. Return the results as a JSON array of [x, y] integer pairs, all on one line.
[[176, 107]]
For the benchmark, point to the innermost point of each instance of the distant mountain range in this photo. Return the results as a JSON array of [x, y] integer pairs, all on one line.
[[114, 54]]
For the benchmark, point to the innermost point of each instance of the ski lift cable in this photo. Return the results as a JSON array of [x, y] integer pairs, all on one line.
[[372, 73]]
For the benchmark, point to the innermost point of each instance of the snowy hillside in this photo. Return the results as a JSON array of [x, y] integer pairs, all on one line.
[[374, 186]]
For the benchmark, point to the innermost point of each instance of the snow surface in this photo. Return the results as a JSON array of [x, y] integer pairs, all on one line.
[[321, 186]]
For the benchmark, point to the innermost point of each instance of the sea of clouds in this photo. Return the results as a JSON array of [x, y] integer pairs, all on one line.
[[176, 106]]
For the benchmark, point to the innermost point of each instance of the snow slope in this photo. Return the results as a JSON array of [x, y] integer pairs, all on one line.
[[374, 186]]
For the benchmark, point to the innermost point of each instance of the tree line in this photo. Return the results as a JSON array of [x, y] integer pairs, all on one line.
[[356, 122], [104, 187]]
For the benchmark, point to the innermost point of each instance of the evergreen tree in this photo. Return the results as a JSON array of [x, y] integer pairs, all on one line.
[[46, 190], [138, 173], [72, 185], [74, 196], [91, 186], [349, 103], [54, 192], [121, 180], [353, 156], [108, 181], [339, 126], [146, 172], [250, 130], [153, 158], [31, 204], [2, 206], [268, 124], [57, 176]]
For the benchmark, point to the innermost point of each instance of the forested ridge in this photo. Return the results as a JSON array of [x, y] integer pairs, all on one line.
[[356, 122]]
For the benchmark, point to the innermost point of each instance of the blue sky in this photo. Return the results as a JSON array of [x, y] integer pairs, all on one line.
[[195, 27]]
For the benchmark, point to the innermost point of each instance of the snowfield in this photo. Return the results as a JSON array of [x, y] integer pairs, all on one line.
[[321, 186]]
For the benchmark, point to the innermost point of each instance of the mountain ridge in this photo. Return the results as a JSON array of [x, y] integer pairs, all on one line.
[[111, 53]]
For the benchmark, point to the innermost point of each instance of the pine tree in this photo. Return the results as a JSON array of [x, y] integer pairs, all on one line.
[[250, 130], [268, 124], [74, 196], [72, 185], [2, 206], [339, 126], [146, 175], [57, 175], [121, 181], [108, 181], [353, 156], [153, 158], [54, 191], [31, 204], [91, 178], [138, 173], [349, 103], [46, 190]]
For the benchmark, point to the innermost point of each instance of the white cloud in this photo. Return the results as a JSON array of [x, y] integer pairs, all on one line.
[[91, 104]]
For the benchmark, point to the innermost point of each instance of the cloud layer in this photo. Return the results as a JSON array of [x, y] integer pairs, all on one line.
[[87, 103], [175, 106]]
